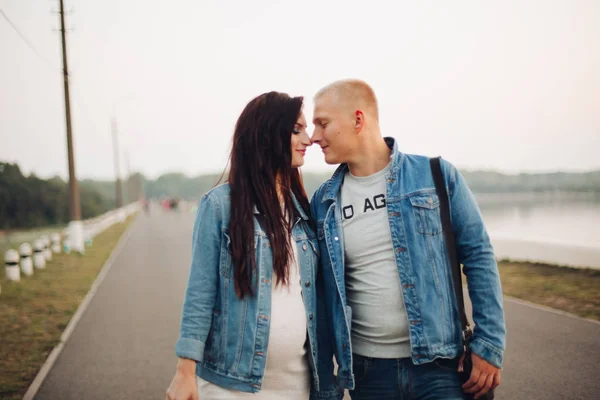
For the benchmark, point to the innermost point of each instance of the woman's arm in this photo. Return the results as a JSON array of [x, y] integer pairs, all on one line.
[[203, 281]]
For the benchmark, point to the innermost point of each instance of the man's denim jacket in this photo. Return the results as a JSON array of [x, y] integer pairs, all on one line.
[[423, 267]]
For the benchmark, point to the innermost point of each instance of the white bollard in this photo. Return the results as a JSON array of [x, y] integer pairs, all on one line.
[[39, 259], [26, 261], [11, 260], [47, 252], [122, 216], [76, 238], [55, 240]]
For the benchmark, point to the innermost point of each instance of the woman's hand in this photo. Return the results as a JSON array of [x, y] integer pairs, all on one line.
[[184, 385]]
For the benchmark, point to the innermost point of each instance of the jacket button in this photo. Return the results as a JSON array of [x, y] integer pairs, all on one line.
[[304, 247], [310, 317], [307, 284], [336, 238]]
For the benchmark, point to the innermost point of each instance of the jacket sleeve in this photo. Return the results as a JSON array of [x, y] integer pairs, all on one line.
[[203, 281], [476, 254]]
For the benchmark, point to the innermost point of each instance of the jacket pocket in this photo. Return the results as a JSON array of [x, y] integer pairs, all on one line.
[[226, 267], [426, 209]]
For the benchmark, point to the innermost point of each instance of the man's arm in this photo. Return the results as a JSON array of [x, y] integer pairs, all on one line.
[[476, 254], [327, 380], [329, 388]]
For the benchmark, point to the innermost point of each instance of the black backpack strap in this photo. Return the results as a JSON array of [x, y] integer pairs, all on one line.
[[440, 187]]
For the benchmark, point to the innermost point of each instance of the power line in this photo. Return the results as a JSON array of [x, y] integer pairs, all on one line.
[[29, 44]]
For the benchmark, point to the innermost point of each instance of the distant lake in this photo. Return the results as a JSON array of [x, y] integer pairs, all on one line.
[[561, 228]]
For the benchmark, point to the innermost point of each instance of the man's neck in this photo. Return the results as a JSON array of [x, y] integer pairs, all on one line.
[[374, 156]]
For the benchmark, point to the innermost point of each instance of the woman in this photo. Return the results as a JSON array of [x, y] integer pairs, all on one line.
[[249, 319]]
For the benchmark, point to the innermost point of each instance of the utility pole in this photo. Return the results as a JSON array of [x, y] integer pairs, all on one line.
[[128, 187], [75, 224], [119, 188]]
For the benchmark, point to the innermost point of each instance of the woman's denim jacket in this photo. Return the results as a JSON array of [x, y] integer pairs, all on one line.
[[229, 337]]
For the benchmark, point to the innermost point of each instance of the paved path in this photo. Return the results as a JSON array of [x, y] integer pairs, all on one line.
[[123, 347]]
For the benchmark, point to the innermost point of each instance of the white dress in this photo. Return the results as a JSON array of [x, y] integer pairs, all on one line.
[[287, 374]]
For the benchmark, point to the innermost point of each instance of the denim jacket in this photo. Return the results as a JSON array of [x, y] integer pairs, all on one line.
[[229, 337], [423, 267]]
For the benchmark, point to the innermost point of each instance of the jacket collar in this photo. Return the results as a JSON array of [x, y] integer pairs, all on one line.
[[335, 182]]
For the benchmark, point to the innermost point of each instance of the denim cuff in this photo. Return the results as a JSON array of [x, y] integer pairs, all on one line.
[[487, 351], [190, 348]]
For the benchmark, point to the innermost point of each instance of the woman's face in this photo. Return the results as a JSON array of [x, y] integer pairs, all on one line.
[[300, 141]]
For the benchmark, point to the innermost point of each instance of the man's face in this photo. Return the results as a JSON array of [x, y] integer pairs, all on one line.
[[334, 129]]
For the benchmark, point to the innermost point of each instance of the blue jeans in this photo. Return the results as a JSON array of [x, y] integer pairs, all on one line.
[[400, 379]]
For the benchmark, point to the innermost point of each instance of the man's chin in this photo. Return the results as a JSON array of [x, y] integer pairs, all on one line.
[[331, 161]]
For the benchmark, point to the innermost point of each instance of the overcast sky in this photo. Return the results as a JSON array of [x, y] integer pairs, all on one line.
[[506, 85]]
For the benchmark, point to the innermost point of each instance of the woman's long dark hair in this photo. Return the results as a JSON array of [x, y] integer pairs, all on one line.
[[261, 160]]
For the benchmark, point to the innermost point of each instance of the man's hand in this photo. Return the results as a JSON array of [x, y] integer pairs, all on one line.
[[484, 376]]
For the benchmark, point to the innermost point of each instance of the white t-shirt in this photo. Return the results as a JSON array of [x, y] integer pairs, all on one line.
[[287, 373], [379, 320]]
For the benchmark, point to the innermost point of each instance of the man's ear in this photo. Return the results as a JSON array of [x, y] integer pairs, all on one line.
[[359, 120]]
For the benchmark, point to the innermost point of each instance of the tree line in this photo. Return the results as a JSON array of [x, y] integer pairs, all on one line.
[[29, 201]]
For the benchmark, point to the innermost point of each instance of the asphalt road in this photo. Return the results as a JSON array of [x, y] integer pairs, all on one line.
[[123, 346]]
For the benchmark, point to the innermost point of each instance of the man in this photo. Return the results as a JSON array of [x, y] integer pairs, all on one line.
[[385, 278]]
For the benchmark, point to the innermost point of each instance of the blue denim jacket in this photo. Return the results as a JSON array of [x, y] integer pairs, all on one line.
[[229, 337], [423, 267]]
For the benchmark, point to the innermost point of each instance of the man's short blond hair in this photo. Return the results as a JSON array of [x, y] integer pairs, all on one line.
[[354, 93]]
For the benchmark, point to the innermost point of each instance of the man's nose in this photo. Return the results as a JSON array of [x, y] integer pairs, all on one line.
[[316, 137]]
